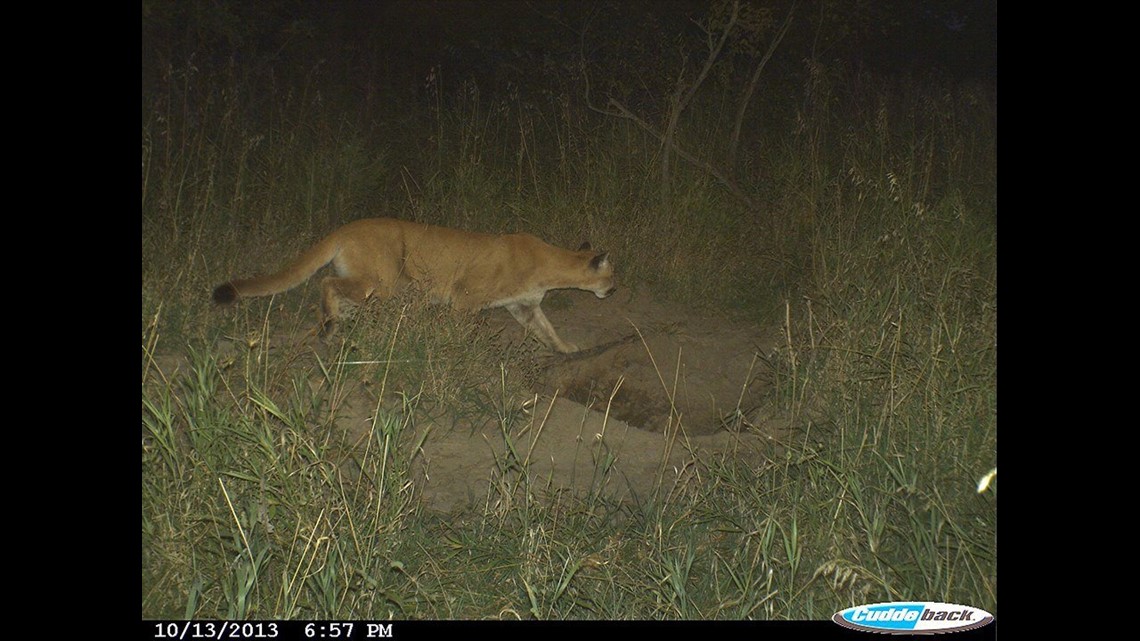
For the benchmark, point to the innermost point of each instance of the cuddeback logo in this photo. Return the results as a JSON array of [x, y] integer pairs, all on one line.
[[912, 618]]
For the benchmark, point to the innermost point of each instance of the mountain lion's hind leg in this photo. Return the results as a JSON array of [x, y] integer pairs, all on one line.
[[334, 290]]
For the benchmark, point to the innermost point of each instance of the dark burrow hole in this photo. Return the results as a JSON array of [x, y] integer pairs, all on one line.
[[631, 404]]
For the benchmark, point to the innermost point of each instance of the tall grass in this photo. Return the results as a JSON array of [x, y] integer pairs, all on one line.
[[874, 250]]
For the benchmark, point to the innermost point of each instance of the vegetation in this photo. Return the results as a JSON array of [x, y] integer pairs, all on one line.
[[853, 208]]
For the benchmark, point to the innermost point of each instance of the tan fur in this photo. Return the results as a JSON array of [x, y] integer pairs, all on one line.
[[471, 271]]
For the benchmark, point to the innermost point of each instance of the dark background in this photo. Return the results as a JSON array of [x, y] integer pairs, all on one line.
[[400, 41]]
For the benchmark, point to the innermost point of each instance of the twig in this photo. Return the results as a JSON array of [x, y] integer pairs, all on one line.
[[713, 171]]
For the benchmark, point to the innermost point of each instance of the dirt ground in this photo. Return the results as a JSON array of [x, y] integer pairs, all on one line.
[[655, 390]]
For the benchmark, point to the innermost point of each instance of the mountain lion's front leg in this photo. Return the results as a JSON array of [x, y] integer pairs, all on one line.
[[530, 316]]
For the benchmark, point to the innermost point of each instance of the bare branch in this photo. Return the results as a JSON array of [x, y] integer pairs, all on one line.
[[747, 98], [713, 55], [681, 98], [623, 112]]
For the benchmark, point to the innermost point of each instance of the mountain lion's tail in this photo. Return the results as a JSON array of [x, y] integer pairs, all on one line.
[[297, 272]]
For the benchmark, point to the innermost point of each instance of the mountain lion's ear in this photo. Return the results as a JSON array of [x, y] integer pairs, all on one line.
[[600, 260], [584, 246]]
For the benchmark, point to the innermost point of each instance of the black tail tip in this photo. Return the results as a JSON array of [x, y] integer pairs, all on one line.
[[225, 294]]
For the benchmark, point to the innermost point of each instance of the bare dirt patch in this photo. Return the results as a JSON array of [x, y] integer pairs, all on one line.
[[655, 389], [667, 364]]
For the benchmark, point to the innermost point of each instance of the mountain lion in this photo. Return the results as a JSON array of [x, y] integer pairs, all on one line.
[[469, 270]]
